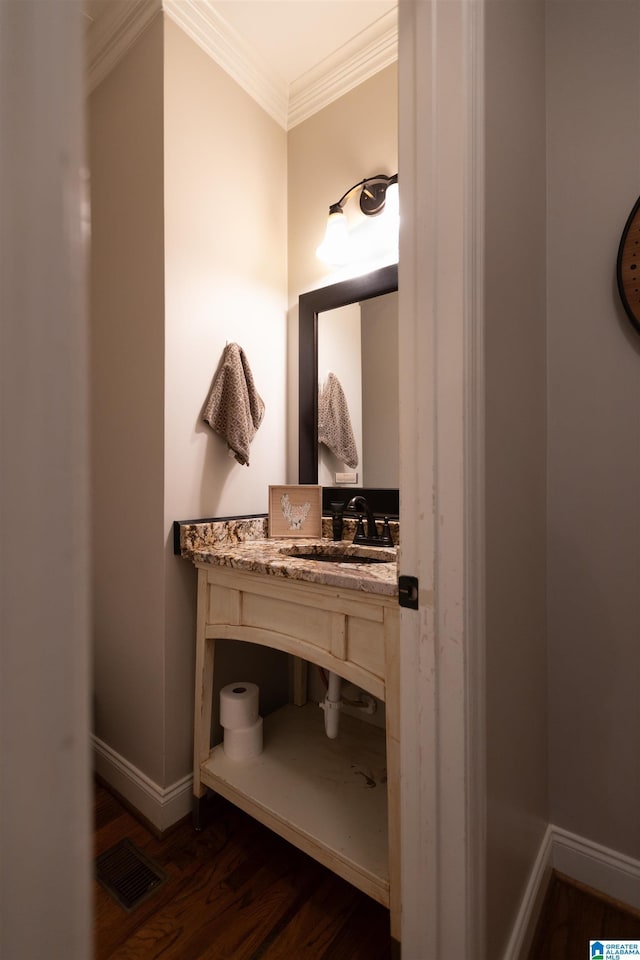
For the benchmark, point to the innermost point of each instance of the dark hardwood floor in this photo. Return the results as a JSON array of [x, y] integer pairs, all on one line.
[[572, 915], [236, 891]]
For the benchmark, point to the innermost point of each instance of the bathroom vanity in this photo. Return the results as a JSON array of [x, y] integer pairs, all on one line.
[[336, 799]]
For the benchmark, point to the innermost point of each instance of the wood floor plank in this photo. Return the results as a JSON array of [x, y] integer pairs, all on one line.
[[363, 936], [315, 925], [572, 915], [194, 896], [236, 891], [105, 809], [224, 913]]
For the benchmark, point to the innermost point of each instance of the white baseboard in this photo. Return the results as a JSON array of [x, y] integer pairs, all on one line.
[[524, 926], [611, 873], [161, 806], [606, 870]]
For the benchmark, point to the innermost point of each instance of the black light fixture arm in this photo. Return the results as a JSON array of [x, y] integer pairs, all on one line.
[[372, 198], [344, 196]]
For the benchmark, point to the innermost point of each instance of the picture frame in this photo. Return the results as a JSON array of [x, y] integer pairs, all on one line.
[[295, 511]]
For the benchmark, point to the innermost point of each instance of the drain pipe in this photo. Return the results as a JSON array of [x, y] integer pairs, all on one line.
[[331, 706]]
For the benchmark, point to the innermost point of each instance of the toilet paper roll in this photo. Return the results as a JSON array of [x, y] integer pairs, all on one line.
[[243, 743], [239, 704]]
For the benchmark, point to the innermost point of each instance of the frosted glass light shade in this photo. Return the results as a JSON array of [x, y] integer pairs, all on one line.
[[334, 249], [374, 235]]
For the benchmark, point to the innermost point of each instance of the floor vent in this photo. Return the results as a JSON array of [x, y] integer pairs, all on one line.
[[128, 875]]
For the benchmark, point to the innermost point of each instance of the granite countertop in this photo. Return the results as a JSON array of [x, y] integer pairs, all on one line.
[[243, 545]]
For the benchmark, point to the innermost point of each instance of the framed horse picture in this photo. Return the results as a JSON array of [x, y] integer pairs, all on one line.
[[295, 511]]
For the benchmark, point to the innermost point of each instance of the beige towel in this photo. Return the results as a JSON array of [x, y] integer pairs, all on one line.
[[334, 422], [234, 408]]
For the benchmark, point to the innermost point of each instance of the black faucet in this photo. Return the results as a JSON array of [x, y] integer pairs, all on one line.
[[371, 537]]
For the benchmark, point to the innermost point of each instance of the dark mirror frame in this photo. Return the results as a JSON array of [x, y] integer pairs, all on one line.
[[373, 284]]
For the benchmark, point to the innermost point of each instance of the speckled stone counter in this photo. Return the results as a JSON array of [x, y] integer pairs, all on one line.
[[243, 544]]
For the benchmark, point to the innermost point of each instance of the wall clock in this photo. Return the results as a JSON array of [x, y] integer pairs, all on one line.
[[628, 266]]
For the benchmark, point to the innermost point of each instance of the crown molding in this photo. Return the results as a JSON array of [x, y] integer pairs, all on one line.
[[111, 34], [352, 64], [206, 27]]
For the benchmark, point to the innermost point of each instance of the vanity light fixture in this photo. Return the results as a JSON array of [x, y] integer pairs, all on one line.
[[378, 194]]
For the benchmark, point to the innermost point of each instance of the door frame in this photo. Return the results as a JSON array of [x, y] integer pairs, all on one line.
[[441, 45]]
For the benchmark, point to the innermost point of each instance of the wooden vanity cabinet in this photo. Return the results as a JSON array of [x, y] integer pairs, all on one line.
[[335, 799]]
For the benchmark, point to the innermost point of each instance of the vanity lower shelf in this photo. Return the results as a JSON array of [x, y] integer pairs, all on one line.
[[327, 797]]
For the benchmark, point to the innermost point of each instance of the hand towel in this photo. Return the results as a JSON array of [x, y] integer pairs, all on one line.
[[234, 408], [334, 422]]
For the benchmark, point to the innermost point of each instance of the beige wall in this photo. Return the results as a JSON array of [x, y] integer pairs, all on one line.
[[189, 252], [354, 137], [515, 359], [225, 172], [127, 394], [226, 274], [592, 459], [594, 438], [380, 392], [327, 153]]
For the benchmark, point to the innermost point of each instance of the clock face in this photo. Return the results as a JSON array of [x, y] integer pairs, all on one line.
[[628, 267]]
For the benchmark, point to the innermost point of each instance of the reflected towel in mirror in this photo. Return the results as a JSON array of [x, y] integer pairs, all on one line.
[[334, 422], [234, 409]]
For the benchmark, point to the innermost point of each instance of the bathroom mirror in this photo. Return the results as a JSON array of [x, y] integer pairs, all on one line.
[[368, 368]]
